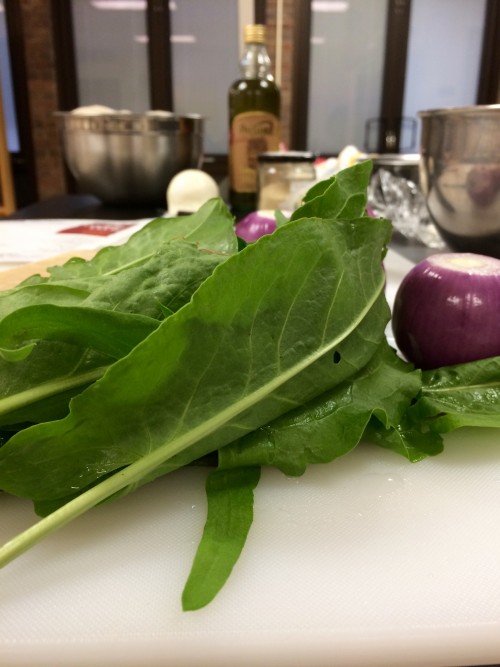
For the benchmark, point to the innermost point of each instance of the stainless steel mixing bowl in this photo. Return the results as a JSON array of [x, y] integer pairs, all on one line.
[[130, 158], [460, 175]]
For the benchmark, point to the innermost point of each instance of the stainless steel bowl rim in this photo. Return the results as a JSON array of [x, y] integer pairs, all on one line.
[[465, 111], [129, 123]]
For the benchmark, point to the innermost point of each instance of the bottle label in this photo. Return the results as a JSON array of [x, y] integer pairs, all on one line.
[[252, 133]]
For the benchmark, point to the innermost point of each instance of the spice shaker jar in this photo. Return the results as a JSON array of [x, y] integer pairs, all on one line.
[[283, 179]]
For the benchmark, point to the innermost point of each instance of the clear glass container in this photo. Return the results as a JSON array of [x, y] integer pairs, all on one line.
[[283, 179]]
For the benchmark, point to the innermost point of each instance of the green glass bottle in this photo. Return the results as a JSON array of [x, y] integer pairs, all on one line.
[[254, 120]]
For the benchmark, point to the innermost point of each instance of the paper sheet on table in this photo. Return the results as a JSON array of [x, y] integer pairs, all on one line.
[[23, 241]]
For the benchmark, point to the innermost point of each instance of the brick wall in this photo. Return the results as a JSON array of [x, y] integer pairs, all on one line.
[[43, 99]]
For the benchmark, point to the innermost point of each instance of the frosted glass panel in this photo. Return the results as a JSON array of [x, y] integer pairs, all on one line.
[[205, 55], [111, 53], [7, 91], [346, 69], [444, 54]]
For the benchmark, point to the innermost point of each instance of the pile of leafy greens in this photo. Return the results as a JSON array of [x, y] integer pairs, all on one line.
[[181, 344]]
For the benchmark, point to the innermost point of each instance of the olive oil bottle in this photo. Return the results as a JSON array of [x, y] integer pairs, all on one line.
[[254, 120]]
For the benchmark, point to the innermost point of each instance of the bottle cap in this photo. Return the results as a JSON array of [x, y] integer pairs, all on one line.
[[255, 34]]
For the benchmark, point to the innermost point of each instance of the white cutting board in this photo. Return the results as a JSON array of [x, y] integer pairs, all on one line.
[[369, 560]]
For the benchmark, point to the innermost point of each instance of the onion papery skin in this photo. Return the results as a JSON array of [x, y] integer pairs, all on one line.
[[447, 310]]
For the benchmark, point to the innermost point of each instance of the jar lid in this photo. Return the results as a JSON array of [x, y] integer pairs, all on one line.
[[287, 156]]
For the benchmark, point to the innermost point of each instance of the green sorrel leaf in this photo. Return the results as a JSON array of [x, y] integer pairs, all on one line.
[[252, 343], [229, 518]]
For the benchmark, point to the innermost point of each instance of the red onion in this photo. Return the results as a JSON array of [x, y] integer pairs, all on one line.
[[447, 310], [255, 225]]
